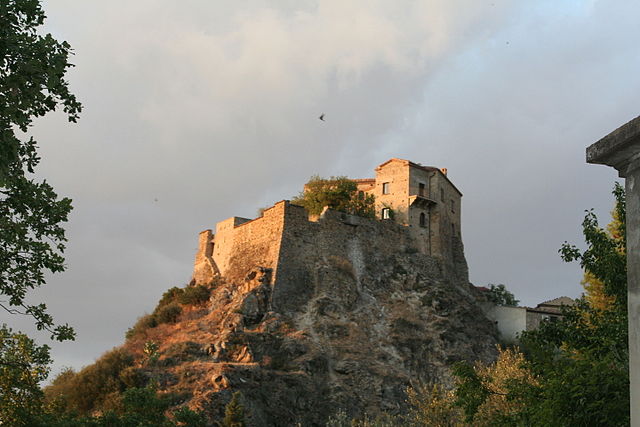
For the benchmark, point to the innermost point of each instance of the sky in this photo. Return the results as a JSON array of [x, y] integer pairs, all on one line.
[[195, 111]]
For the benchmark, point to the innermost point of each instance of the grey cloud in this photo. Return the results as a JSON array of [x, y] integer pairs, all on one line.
[[211, 108]]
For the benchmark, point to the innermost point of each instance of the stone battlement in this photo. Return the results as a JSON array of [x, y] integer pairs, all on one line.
[[425, 220]]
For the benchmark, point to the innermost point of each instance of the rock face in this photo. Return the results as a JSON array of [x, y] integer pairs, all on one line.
[[354, 316]]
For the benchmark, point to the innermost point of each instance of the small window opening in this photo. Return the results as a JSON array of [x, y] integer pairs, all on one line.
[[423, 220], [385, 188], [386, 213], [453, 205], [421, 189], [442, 194], [360, 195]]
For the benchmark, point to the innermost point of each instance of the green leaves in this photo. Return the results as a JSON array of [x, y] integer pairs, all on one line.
[[500, 295], [32, 83], [23, 365], [580, 362], [338, 193]]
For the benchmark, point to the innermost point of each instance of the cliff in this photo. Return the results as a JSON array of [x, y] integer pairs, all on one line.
[[307, 317], [346, 316]]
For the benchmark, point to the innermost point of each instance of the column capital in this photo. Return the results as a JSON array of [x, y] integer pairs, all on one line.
[[620, 149]]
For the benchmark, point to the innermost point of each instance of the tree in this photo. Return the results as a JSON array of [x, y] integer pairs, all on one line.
[[23, 365], [32, 84], [499, 295], [579, 363], [339, 193], [234, 412]]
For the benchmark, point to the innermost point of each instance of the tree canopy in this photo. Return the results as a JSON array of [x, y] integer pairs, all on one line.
[[32, 84], [500, 295], [339, 193], [577, 367]]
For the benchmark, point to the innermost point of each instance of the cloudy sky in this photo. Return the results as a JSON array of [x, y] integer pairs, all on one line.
[[195, 111]]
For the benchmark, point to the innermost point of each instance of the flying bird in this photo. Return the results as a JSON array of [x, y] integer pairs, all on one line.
[[321, 117]]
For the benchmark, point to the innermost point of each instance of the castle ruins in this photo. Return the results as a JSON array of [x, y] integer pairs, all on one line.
[[417, 210]]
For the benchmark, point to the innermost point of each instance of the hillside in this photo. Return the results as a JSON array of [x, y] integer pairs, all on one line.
[[363, 320]]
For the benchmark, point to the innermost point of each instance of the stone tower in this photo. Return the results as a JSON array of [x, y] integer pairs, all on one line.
[[421, 198]]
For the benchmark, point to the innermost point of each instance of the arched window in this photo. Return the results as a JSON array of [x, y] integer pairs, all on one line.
[[386, 213], [423, 220]]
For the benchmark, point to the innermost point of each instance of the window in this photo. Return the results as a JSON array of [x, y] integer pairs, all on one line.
[[453, 230], [442, 194], [386, 213], [423, 220], [360, 195], [421, 189], [385, 188], [453, 206]]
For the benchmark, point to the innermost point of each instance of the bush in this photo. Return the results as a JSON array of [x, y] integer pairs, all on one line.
[[92, 387], [168, 310], [169, 313], [145, 322], [194, 295], [171, 295], [339, 193]]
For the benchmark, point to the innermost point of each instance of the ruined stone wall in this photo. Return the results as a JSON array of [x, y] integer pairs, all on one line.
[[204, 267], [241, 244], [336, 240]]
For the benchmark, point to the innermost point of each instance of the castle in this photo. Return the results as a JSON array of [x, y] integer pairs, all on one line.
[[417, 210]]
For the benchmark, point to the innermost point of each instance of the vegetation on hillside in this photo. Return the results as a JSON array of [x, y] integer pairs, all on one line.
[[573, 372], [170, 306], [339, 193]]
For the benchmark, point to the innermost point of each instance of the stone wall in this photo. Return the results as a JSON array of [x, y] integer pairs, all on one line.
[[335, 241], [445, 224], [396, 175], [204, 267], [241, 244]]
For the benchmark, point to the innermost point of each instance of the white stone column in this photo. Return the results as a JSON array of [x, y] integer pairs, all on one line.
[[621, 150]]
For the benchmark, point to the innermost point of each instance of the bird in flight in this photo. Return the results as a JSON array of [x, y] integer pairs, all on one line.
[[321, 117]]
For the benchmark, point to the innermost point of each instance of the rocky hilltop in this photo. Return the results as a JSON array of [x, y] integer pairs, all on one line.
[[355, 315]]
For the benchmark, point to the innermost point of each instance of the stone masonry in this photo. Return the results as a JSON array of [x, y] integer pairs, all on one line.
[[419, 202]]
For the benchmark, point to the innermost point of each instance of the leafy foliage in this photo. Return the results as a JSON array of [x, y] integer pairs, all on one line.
[[490, 394], [169, 308], [32, 84], [500, 295], [433, 406], [234, 412], [169, 313], [578, 366], [94, 386], [194, 295], [23, 365], [339, 193]]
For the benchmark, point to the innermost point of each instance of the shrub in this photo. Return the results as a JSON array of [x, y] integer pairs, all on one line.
[[339, 193], [169, 313], [92, 387], [194, 295], [133, 377], [145, 322], [171, 295], [234, 412]]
